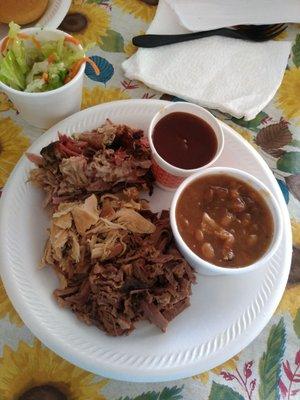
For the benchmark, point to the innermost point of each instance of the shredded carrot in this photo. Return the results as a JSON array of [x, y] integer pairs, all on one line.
[[71, 39], [45, 76], [5, 44], [36, 42], [93, 65], [23, 35], [76, 66], [30, 37], [52, 58], [67, 79], [73, 71]]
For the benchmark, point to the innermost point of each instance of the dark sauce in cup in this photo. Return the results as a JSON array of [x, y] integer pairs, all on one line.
[[184, 140]]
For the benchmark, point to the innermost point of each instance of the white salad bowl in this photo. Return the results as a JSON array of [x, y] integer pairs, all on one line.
[[206, 267], [47, 108]]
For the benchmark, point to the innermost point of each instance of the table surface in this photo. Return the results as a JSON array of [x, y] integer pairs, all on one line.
[[269, 368]]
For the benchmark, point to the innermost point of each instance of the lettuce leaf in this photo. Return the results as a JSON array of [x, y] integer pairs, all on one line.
[[37, 69], [56, 75], [13, 65], [52, 47], [36, 85], [33, 55], [14, 29], [11, 73], [19, 51], [71, 54], [17, 46]]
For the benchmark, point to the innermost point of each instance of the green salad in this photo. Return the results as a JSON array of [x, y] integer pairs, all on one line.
[[29, 65]]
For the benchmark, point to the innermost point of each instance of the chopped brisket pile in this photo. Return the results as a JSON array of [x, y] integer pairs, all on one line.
[[117, 263], [107, 159]]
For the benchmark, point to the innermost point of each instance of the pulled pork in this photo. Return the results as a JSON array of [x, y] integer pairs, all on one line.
[[117, 263], [106, 159]]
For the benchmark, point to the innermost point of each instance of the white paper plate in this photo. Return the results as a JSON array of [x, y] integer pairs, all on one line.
[[226, 313], [52, 17]]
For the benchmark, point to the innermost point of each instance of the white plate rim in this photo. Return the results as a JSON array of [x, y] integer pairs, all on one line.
[[123, 372], [52, 17], [55, 13]]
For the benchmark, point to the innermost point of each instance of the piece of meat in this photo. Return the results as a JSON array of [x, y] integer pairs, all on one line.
[[58, 238], [63, 220], [152, 313], [176, 309], [73, 171], [85, 215], [75, 246], [209, 226], [109, 248], [36, 159], [133, 221], [124, 268], [110, 158]]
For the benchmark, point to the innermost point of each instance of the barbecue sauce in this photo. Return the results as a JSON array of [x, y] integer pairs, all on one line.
[[185, 140]]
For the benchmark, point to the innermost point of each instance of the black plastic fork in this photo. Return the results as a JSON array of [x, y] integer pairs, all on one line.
[[253, 33]]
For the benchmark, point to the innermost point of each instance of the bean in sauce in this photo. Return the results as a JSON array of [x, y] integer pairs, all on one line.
[[224, 220]]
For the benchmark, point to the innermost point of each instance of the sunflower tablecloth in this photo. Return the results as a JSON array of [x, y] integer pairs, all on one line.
[[269, 368]]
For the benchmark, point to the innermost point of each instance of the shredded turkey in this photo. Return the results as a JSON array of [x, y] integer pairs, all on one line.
[[117, 263], [107, 159], [85, 215], [209, 225]]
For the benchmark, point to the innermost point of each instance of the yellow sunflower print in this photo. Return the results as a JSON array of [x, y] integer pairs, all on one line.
[[130, 48], [34, 367], [6, 308], [137, 8], [5, 103], [96, 22], [296, 232], [288, 98], [228, 365], [282, 36], [97, 95], [290, 301], [12, 146], [244, 133]]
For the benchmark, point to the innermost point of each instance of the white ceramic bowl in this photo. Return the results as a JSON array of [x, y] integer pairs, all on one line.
[[206, 267], [47, 108], [168, 176]]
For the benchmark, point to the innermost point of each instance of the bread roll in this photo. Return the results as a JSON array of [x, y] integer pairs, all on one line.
[[21, 11]]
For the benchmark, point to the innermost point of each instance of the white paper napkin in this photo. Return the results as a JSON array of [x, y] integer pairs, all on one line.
[[197, 15], [234, 76]]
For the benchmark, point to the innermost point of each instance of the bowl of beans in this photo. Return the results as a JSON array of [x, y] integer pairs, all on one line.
[[225, 221]]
